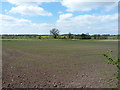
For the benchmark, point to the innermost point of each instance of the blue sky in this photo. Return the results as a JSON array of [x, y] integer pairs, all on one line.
[[39, 17]]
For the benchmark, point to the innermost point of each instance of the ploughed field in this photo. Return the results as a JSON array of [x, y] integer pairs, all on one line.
[[57, 64]]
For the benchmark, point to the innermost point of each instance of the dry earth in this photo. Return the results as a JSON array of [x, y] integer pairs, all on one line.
[[57, 64]]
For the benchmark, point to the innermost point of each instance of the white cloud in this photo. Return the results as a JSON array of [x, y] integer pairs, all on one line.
[[66, 23], [111, 7], [8, 20], [87, 23], [90, 19], [30, 10], [59, 12], [19, 2], [86, 5], [11, 25], [65, 16]]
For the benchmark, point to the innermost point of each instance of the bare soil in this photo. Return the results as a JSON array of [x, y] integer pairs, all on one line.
[[57, 64]]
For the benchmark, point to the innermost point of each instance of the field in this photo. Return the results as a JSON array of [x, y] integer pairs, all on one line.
[[57, 63]]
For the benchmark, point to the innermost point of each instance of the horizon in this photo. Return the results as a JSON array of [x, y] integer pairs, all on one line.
[[60, 34]]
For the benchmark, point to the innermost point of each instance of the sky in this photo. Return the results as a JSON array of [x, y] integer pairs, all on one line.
[[74, 16]]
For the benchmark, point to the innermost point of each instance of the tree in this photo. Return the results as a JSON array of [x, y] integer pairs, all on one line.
[[54, 32], [39, 37], [85, 36], [70, 36]]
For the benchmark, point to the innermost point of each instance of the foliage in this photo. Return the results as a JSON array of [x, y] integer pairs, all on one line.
[[85, 36], [112, 60], [39, 37], [54, 32], [70, 36]]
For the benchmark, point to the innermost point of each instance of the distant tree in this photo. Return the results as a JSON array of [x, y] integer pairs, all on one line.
[[54, 32], [85, 36], [39, 37], [70, 36], [97, 36], [103, 37]]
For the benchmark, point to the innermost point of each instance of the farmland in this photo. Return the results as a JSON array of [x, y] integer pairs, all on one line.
[[57, 63]]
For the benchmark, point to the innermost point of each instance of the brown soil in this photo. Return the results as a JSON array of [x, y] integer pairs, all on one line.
[[22, 75]]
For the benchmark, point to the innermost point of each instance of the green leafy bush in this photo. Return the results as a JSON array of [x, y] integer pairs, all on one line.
[[114, 61]]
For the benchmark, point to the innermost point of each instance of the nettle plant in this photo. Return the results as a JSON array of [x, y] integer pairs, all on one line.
[[114, 61]]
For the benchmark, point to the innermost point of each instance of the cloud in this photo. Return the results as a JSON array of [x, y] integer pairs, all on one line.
[[111, 7], [65, 16], [11, 25], [66, 23], [27, 7], [59, 12], [19, 2], [87, 23], [30, 10], [87, 19], [8, 20], [86, 5]]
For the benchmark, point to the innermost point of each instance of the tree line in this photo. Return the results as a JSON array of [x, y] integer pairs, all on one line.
[[55, 34]]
